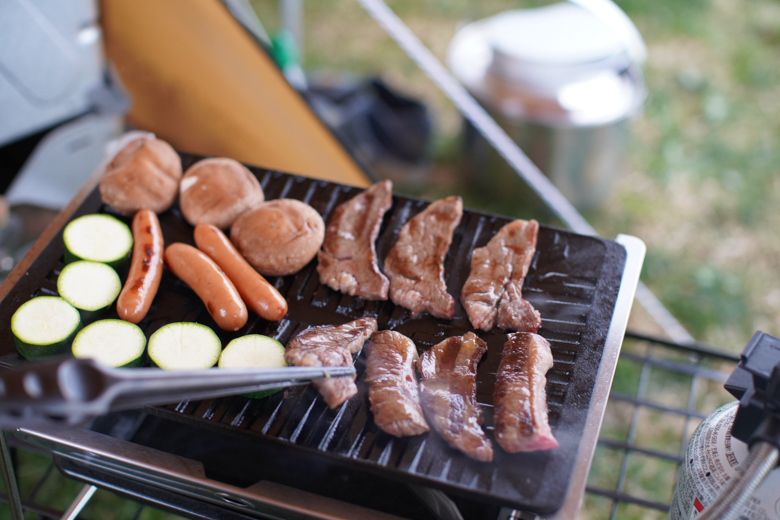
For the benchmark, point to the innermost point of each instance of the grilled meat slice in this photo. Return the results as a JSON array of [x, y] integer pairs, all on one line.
[[493, 290], [348, 261], [448, 392], [415, 264], [393, 390], [520, 400], [331, 346], [515, 313]]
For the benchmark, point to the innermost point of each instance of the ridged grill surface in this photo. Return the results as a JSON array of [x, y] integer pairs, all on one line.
[[573, 282]]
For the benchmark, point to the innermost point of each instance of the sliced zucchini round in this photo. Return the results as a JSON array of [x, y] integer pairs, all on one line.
[[114, 343], [253, 351], [99, 238], [89, 286], [44, 327], [184, 346]]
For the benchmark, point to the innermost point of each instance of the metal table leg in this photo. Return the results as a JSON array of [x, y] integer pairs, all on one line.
[[79, 502], [9, 478]]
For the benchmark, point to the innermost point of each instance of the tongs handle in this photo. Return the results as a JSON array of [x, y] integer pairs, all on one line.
[[73, 390]]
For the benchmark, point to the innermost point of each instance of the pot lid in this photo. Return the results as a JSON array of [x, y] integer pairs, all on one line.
[[551, 46], [559, 64], [556, 35]]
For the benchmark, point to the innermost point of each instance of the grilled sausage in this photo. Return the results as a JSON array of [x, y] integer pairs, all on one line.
[[259, 295], [146, 268], [209, 282]]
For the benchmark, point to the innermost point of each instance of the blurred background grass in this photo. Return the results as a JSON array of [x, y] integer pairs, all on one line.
[[699, 184]]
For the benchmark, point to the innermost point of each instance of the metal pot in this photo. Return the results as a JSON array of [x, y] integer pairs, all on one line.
[[564, 85]]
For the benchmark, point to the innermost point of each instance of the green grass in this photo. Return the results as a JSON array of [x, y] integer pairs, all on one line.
[[606, 468], [650, 478], [617, 420], [702, 166], [660, 431], [626, 377], [595, 507]]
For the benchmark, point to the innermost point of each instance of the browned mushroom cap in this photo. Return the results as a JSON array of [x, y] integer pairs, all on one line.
[[216, 191], [144, 175], [279, 237]]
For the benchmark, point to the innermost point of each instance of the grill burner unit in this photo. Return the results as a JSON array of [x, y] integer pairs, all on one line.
[[573, 281]]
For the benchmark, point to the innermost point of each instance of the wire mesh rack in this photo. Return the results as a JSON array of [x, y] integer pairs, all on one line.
[[661, 392]]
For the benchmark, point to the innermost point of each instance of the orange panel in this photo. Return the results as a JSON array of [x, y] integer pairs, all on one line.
[[199, 81]]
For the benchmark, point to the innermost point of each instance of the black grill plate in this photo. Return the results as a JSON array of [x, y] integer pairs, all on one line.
[[573, 281]]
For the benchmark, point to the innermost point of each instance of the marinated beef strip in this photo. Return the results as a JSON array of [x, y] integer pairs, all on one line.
[[493, 291], [331, 346], [448, 392], [520, 413], [415, 264], [348, 261], [393, 390]]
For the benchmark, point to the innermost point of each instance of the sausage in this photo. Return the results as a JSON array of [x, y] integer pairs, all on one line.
[[146, 268], [259, 295], [210, 284]]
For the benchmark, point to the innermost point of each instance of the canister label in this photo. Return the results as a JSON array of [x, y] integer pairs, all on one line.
[[711, 460]]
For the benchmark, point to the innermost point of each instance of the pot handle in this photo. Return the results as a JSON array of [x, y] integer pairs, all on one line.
[[608, 12]]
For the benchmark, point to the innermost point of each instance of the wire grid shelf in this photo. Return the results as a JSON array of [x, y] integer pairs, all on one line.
[[661, 392]]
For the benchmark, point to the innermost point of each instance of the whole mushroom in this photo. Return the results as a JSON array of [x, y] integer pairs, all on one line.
[[143, 175], [279, 237]]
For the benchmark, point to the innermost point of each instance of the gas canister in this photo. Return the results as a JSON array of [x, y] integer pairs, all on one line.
[[717, 454], [711, 460]]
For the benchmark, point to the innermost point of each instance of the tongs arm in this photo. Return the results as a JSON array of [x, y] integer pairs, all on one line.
[[73, 390]]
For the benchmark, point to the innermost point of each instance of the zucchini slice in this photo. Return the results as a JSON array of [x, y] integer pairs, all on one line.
[[89, 286], [44, 327], [253, 351], [99, 238], [184, 346], [113, 343]]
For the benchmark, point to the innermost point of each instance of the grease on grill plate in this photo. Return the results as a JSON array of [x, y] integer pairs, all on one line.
[[573, 282]]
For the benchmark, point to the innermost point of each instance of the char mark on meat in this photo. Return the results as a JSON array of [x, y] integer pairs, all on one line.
[[415, 264], [348, 261], [331, 346], [492, 293], [448, 392], [393, 390], [520, 401]]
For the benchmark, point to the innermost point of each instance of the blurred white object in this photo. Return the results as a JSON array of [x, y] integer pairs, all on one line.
[[51, 60], [53, 75], [564, 83], [613, 16], [63, 161]]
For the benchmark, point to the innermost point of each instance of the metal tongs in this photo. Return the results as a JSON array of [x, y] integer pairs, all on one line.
[[73, 391]]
